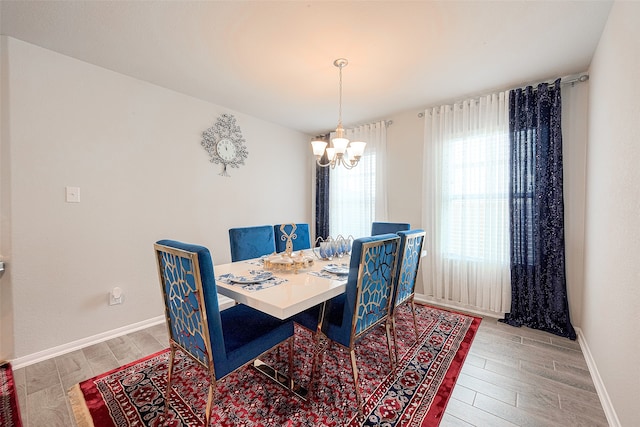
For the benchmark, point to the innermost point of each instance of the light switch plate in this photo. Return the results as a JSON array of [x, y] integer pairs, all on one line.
[[72, 194]]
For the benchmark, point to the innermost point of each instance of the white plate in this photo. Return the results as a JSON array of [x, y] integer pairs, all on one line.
[[336, 269], [252, 277]]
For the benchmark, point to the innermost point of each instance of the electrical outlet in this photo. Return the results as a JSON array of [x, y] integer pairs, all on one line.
[[116, 296]]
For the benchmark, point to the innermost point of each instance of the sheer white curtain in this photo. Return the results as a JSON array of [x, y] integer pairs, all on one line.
[[358, 196], [466, 203]]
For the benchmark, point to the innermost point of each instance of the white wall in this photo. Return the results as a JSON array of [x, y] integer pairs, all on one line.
[[134, 150], [575, 101], [611, 309], [404, 152], [6, 306], [404, 178]]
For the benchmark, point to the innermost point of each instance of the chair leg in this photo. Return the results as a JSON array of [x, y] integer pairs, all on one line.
[[315, 361], [207, 415], [392, 320], [415, 324], [392, 361], [316, 349], [354, 368], [395, 335], [212, 388], [291, 382], [167, 395]]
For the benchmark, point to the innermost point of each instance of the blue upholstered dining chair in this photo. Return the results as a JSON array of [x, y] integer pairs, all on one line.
[[378, 228], [366, 301], [251, 242], [220, 341], [301, 238], [409, 254]]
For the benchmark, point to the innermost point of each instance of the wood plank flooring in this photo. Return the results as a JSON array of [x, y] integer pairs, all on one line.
[[523, 377], [512, 377]]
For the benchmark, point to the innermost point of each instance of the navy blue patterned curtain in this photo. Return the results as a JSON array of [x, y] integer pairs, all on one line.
[[538, 281], [322, 200]]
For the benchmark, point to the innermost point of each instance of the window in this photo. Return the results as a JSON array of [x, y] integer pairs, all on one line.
[[352, 196], [358, 196], [475, 189]]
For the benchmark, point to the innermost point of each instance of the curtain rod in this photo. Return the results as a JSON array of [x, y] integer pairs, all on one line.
[[386, 122], [564, 81]]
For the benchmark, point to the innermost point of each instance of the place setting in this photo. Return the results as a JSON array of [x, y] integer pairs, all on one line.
[[253, 280], [332, 271]]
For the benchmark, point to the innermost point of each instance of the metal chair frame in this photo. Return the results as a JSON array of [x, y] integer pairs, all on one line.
[[409, 254], [200, 329], [368, 252]]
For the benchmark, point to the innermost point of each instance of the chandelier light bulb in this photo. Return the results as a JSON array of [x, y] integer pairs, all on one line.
[[318, 147]]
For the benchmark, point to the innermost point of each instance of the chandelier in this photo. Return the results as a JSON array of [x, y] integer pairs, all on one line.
[[342, 151]]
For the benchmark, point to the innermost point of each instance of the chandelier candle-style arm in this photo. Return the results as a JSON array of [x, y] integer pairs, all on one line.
[[342, 151]]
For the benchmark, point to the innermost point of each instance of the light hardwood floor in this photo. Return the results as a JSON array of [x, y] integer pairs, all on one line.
[[512, 377]]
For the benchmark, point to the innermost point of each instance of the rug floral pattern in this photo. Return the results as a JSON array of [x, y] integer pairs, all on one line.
[[9, 410], [415, 395]]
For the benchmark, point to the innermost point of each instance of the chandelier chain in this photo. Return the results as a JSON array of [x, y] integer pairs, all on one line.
[[340, 105]]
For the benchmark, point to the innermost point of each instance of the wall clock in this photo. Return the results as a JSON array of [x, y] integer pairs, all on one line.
[[224, 143]]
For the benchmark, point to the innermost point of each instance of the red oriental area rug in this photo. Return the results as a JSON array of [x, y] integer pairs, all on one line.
[[9, 411], [416, 395]]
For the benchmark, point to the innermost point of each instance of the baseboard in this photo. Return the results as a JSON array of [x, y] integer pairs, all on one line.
[[457, 307], [30, 359], [21, 362], [607, 406]]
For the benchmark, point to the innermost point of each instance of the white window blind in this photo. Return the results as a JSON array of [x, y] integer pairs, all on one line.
[[358, 196], [352, 195], [475, 194]]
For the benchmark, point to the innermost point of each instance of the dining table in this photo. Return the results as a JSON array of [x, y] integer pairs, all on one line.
[[283, 294]]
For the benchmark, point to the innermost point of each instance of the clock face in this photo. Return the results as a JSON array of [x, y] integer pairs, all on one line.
[[226, 149], [224, 143]]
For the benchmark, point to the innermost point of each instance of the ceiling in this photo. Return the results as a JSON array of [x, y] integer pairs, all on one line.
[[274, 59]]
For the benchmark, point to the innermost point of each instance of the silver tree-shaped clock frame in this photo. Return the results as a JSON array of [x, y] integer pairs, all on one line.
[[225, 144]]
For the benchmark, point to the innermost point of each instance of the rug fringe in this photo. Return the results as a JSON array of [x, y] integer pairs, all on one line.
[[79, 407]]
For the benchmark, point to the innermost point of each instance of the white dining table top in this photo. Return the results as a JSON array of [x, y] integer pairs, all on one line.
[[299, 292]]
